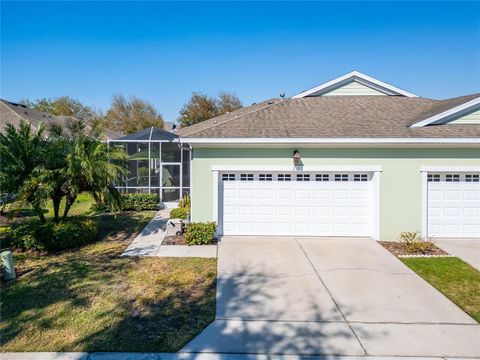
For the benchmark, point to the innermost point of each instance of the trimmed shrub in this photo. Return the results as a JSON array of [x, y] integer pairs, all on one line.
[[140, 202], [179, 213], [70, 233], [200, 233], [414, 242]]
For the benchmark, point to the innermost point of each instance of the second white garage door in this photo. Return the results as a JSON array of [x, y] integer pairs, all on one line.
[[302, 204], [453, 205]]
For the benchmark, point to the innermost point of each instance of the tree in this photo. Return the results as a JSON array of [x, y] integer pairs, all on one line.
[[59, 166], [201, 107], [61, 106], [131, 115], [228, 102], [21, 153], [92, 167]]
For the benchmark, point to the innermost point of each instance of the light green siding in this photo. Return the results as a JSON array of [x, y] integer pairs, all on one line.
[[472, 117], [400, 180], [353, 88]]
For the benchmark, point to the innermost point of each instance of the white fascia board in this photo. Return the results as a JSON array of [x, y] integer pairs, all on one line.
[[329, 141], [306, 168], [352, 76], [446, 114], [450, 169]]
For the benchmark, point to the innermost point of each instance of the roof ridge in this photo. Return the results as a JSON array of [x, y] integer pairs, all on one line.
[[235, 118]]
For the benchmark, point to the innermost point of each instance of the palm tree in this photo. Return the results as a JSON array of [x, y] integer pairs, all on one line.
[[92, 167], [59, 166], [21, 152]]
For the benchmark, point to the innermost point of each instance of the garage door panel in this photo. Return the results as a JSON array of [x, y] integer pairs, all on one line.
[[473, 195], [321, 194], [453, 205], [301, 206], [471, 229], [284, 194], [319, 211], [473, 212], [341, 194], [452, 195]]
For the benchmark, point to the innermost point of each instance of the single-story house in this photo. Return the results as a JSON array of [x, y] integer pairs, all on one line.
[[352, 157], [14, 113]]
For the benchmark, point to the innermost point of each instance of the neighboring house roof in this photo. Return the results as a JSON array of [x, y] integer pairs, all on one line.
[[362, 82], [14, 113], [151, 133], [336, 117]]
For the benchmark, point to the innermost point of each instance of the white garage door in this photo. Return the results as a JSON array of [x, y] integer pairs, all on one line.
[[289, 203], [453, 205]]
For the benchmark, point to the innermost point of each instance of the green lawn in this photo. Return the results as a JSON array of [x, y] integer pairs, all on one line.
[[454, 278], [80, 207], [91, 299]]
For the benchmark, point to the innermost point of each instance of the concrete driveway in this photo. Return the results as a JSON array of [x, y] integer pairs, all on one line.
[[466, 249], [319, 296]]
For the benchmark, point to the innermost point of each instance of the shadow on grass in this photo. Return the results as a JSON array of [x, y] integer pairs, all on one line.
[[92, 299]]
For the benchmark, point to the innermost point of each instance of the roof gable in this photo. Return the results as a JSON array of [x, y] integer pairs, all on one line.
[[465, 113], [471, 118], [354, 83]]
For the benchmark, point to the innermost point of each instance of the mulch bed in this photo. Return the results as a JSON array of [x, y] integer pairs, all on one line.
[[399, 249], [174, 240]]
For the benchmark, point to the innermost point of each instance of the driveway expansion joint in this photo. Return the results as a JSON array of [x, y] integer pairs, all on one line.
[[331, 296]]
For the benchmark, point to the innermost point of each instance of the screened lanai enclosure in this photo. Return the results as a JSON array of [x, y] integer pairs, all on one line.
[[157, 163]]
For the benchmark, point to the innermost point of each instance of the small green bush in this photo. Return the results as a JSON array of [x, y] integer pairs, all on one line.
[[179, 213], [100, 208], [414, 242], [200, 233], [51, 236], [139, 202]]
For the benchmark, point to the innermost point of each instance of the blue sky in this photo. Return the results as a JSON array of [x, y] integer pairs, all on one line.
[[162, 51]]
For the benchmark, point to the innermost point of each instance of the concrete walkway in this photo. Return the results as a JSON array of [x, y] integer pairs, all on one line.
[[192, 356], [466, 249], [149, 242], [320, 296]]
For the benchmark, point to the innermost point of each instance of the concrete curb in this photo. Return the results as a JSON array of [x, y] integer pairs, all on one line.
[[191, 356]]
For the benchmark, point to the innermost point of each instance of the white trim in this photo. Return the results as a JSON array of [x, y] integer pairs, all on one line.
[[151, 131], [376, 205], [141, 141], [326, 168], [450, 169], [355, 75], [190, 184], [331, 141], [424, 204], [449, 113], [216, 191]]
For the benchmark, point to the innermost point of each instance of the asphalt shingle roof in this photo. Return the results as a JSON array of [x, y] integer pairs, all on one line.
[[335, 117], [14, 113]]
